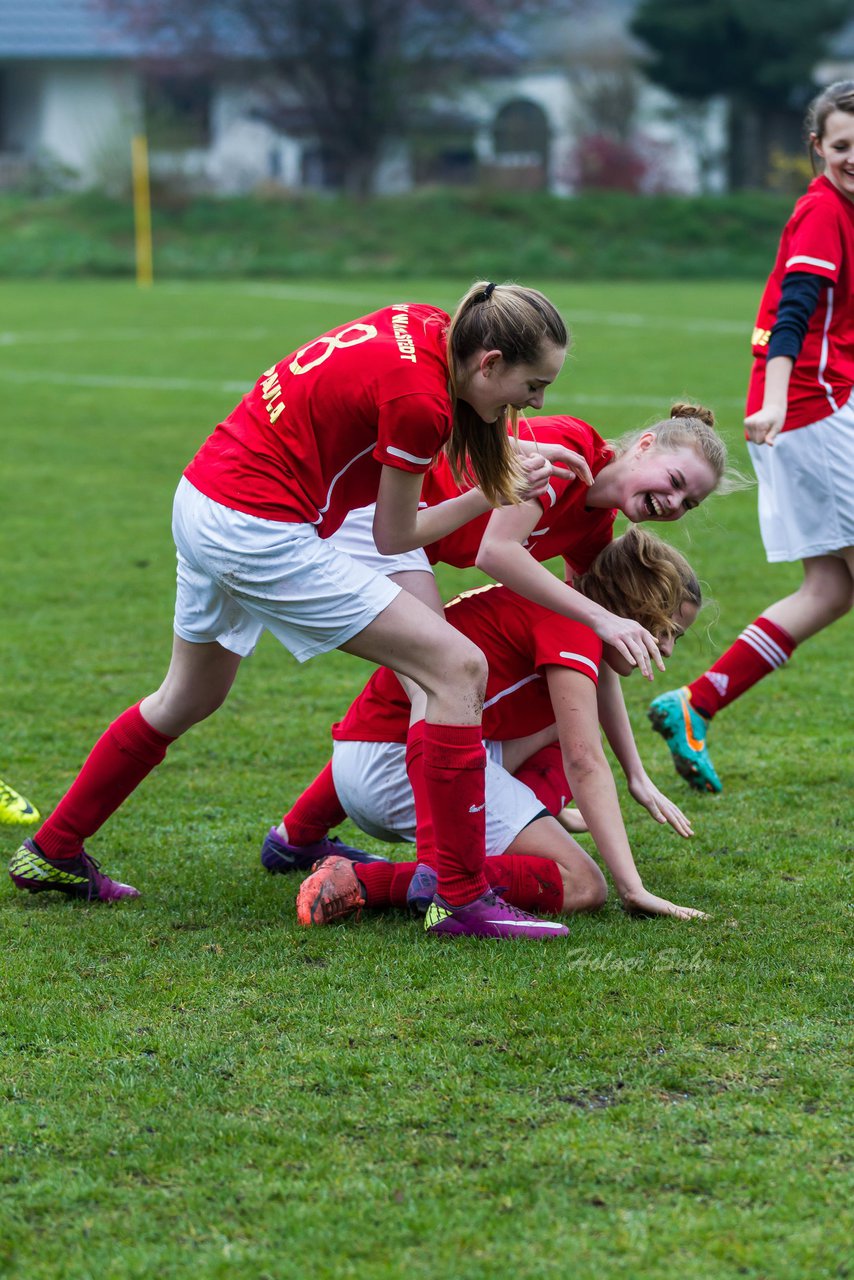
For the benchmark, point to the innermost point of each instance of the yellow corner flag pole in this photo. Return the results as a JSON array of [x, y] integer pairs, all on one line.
[[142, 210]]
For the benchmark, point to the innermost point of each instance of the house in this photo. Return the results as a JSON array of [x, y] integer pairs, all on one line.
[[75, 85]]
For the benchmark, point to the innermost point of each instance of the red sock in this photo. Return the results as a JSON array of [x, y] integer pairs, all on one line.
[[385, 884], [530, 883], [424, 837], [454, 772], [120, 759], [316, 811], [760, 649], [543, 773]]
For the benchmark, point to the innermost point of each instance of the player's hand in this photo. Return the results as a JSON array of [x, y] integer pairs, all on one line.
[[637, 645], [565, 462], [536, 471], [662, 809], [765, 425], [642, 902]]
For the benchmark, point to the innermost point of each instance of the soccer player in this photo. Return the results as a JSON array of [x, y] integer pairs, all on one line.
[[353, 416], [543, 675], [800, 431], [656, 474], [14, 809]]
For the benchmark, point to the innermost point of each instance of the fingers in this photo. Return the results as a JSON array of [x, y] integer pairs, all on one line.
[[688, 913]]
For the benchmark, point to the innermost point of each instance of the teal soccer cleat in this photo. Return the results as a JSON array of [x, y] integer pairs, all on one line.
[[684, 730]]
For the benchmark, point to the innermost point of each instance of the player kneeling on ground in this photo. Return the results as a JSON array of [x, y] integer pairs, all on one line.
[[542, 710]]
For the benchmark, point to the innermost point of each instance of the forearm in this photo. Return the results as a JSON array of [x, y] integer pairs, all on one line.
[[778, 372], [614, 719], [595, 794], [514, 566], [404, 531]]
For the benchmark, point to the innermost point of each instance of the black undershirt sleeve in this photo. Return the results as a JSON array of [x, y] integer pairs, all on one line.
[[798, 301]]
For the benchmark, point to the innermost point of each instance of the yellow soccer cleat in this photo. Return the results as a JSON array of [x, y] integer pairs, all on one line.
[[14, 808]]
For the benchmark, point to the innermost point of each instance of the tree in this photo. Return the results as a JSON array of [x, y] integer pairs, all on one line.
[[760, 55], [357, 72]]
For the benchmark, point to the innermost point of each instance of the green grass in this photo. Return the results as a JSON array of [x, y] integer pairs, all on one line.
[[191, 1086], [592, 236]]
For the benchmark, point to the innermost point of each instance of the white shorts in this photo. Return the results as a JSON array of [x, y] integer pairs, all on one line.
[[239, 575], [355, 536], [806, 488], [374, 790]]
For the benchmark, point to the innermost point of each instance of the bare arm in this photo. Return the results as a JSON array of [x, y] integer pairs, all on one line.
[[764, 425], [399, 523], [503, 556], [614, 719], [574, 700]]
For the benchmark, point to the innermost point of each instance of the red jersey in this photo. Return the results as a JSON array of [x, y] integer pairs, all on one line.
[[519, 639], [308, 442], [566, 528], [817, 239]]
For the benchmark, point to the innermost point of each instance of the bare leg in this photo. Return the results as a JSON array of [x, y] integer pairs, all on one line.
[[825, 595], [196, 684]]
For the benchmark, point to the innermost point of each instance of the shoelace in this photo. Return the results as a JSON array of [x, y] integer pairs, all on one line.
[[516, 912], [94, 869]]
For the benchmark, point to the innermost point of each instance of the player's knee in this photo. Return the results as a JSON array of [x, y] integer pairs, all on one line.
[[585, 888], [470, 669]]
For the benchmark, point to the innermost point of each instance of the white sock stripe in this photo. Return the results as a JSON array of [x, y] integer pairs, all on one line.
[[762, 643]]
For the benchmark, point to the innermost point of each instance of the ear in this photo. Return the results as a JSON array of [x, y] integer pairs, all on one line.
[[645, 441], [488, 362], [815, 143]]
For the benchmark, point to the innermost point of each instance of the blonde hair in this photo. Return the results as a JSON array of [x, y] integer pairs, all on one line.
[[641, 576], [517, 322], [690, 426]]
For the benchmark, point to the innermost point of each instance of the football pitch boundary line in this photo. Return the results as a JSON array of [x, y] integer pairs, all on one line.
[[124, 382]]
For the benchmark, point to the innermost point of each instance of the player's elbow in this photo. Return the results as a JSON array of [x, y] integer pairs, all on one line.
[[489, 561], [582, 759], [390, 541]]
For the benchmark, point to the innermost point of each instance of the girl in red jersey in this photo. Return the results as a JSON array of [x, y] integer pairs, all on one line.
[[656, 474], [800, 431], [543, 675], [355, 415]]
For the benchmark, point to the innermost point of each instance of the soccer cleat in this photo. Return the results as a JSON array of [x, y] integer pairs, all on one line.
[[279, 857], [78, 877], [422, 889], [684, 730], [14, 808], [488, 917], [331, 892]]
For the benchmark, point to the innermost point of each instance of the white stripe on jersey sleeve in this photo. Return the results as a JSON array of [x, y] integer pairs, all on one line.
[[408, 457], [580, 657], [804, 260]]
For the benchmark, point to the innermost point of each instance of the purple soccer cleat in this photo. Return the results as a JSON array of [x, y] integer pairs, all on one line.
[[422, 889], [488, 917], [79, 877], [280, 858]]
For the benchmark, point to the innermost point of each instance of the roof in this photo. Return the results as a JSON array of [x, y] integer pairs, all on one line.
[[63, 29]]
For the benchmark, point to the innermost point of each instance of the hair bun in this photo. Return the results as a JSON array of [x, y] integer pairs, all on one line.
[[693, 411]]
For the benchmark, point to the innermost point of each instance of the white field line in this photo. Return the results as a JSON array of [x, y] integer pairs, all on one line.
[[119, 382], [360, 300], [24, 337]]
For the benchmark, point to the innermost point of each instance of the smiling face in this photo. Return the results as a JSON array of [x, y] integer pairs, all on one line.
[[662, 484], [492, 385], [836, 148], [683, 618]]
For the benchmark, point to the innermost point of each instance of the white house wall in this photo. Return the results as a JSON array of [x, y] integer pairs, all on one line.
[[87, 115]]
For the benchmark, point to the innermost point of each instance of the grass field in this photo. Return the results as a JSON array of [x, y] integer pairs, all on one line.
[[191, 1086]]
